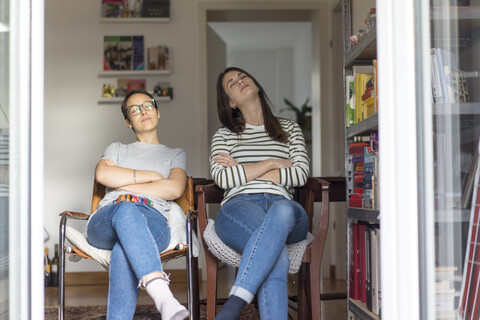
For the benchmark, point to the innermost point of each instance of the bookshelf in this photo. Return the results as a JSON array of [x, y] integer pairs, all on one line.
[[134, 20], [119, 100], [456, 135], [155, 59], [130, 73], [362, 54], [456, 126]]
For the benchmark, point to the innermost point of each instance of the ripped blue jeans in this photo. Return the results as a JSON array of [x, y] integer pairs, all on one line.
[[136, 233], [259, 226]]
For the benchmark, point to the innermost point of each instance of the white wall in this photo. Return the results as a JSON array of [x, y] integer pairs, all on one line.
[[360, 9], [77, 129], [302, 70], [217, 61]]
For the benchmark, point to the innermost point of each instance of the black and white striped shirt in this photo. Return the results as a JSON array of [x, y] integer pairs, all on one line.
[[254, 145]]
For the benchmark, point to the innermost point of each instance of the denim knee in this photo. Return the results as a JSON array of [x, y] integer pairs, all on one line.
[[284, 214], [125, 212]]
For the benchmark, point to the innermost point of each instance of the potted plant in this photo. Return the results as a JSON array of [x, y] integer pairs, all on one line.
[[303, 113]]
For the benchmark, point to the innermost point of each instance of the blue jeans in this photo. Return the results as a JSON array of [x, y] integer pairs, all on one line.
[[136, 233], [259, 226]]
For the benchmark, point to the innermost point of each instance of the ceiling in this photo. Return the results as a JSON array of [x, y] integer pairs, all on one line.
[[259, 35]]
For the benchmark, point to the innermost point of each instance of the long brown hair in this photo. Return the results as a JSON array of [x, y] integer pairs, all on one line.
[[233, 119]]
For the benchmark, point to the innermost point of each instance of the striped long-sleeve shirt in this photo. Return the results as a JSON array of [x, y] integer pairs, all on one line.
[[254, 145]]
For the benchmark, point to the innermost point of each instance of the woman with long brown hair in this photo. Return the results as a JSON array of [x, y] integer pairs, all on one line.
[[258, 159]]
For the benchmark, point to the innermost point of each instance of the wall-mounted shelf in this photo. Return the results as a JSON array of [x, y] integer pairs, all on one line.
[[450, 109], [366, 126], [128, 73], [363, 214], [366, 49], [136, 20], [118, 100]]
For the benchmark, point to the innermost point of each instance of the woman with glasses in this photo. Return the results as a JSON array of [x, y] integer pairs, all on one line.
[[258, 159], [131, 220]]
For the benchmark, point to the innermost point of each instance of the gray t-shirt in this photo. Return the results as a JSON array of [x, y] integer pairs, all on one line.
[[144, 156]]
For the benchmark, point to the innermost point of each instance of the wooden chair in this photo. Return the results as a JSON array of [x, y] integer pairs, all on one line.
[[309, 296], [186, 202]]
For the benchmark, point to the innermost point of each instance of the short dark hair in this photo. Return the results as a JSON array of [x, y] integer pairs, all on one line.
[[131, 93], [233, 119]]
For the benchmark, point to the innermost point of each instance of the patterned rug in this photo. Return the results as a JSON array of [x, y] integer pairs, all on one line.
[[143, 312]]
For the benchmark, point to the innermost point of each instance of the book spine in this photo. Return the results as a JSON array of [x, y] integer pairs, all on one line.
[[138, 59]]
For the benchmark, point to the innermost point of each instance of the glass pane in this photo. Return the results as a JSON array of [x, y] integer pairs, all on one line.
[[455, 48], [4, 139]]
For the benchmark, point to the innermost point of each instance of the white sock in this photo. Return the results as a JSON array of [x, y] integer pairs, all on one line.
[[166, 304]]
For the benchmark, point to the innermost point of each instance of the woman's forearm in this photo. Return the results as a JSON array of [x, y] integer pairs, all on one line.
[[114, 177], [166, 189], [257, 170]]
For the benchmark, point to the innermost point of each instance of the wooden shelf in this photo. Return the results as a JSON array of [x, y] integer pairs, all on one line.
[[366, 49], [128, 73], [454, 215], [117, 100], [361, 311], [136, 20], [448, 109], [362, 214], [365, 127]]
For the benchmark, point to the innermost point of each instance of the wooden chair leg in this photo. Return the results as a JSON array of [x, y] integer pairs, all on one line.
[[314, 285], [211, 288], [304, 302]]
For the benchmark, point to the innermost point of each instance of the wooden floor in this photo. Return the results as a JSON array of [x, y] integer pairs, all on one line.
[[97, 294]]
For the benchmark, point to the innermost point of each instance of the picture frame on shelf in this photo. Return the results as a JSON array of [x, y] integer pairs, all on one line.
[[156, 9]]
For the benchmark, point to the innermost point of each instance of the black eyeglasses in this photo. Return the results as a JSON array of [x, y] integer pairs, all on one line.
[[135, 109]]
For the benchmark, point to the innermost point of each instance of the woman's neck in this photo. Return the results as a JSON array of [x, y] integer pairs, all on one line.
[[252, 113], [148, 138]]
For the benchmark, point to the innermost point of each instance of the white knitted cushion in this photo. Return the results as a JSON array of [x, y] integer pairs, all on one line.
[[177, 222], [229, 256]]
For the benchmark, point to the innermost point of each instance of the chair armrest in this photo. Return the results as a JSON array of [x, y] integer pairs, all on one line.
[[316, 184], [212, 192], [206, 193], [74, 215]]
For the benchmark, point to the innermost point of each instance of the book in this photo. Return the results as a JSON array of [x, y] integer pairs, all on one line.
[[123, 53], [126, 85], [351, 258], [363, 263], [441, 73], [368, 100], [375, 85], [439, 167], [361, 80], [138, 59], [112, 8], [357, 261], [350, 107], [467, 186], [158, 58], [437, 93], [357, 91], [375, 254], [469, 304], [368, 267]]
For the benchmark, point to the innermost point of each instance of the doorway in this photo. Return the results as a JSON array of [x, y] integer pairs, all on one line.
[[277, 54], [315, 14]]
